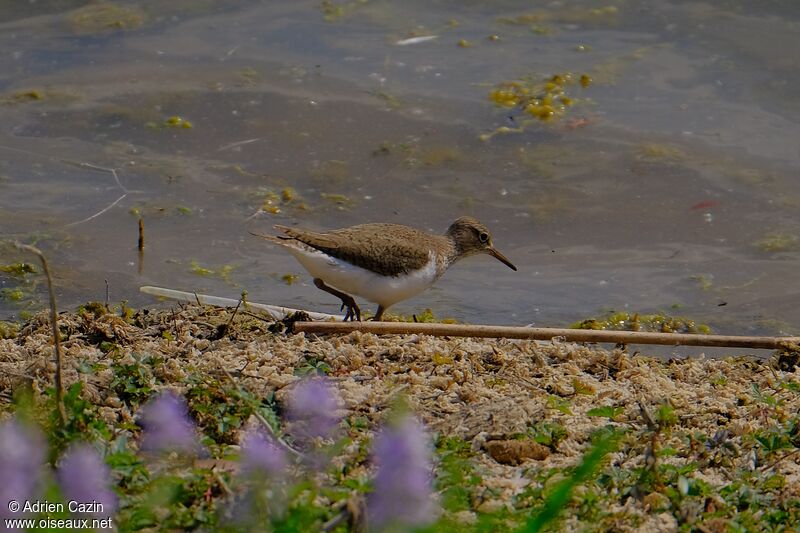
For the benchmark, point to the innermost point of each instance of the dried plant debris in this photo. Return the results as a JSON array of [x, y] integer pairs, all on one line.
[[509, 428]]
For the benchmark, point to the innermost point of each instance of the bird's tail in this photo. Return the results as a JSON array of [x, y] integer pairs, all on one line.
[[277, 239]]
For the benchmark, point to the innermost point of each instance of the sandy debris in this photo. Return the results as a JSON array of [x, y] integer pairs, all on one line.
[[486, 391]]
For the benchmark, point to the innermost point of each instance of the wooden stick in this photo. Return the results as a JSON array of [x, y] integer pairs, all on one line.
[[571, 335], [275, 311], [140, 243], [59, 383]]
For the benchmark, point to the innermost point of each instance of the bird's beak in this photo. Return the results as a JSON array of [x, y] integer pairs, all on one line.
[[500, 257]]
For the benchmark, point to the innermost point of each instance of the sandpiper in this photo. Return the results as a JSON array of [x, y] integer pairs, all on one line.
[[383, 263]]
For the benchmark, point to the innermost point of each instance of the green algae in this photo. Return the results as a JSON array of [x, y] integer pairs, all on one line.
[[290, 279], [22, 294], [333, 11], [38, 96], [274, 201], [8, 330], [661, 323], [391, 101], [540, 99], [778, 242], [332, 171], [16, 294], [704, 281], [561, 160], [159, 211], [177, 122], [105, 16], [660, 153], [341, 201], [441, 156], [414, 155], [223, 272], [604, 15], [32, 95], [198, 270], [427, 316], [249, 75], [19, 269]]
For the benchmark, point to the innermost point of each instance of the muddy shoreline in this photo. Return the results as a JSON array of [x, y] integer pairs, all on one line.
[[526, 409]]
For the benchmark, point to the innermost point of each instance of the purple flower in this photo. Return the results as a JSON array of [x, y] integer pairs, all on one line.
[[85, 479], [402, 497], [22, 456], [260, 455], [312, 407], [264, 473], [167, 426]]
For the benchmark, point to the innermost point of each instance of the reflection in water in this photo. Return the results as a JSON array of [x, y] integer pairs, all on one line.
[[668, 186]]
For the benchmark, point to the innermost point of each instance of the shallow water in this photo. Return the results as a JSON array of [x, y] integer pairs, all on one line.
[[671, 185]]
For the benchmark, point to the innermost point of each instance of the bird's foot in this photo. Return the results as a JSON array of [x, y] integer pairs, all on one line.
[[353, 311], [378, 314]]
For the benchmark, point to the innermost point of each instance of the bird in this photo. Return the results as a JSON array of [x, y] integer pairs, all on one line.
[[381, 262]]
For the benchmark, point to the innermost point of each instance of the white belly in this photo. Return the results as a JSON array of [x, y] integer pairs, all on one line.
[[357, 281]]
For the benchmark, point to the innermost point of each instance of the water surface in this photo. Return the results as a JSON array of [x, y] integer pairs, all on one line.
[[670, 185]]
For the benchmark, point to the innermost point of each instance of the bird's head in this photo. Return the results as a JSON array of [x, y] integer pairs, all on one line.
[[471, 237]]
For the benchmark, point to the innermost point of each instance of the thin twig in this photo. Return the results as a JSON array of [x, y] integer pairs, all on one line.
[[140, 244], [236, 310], [238, 143], [780, 459], [569, 335], [113, 172], [275, 311], [174, 324], [342, 515], [59, 384], [269, 320], [263, 421], [87, 219], [225, 488]]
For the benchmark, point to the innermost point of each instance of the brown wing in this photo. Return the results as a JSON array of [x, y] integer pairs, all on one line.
[[387, 249], [312, 238]]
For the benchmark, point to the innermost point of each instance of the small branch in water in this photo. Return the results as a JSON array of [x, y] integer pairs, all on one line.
[[113, 172], [140, 244], [87, 219], [140, 247], [238, 143], [59, 384]]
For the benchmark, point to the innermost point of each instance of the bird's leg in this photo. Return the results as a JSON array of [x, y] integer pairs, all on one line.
[[378, 314], [353, 311]]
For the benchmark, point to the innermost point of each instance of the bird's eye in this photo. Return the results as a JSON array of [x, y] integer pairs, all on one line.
[[484, 237]]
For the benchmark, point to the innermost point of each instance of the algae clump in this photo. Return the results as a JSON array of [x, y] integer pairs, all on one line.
[[100, 17], [661, 323]]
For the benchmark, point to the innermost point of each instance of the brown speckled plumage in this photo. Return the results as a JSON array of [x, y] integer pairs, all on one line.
[[388, 250]]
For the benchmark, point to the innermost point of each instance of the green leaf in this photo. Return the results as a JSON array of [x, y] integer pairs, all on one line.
[[559, 497], [607, 411]]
